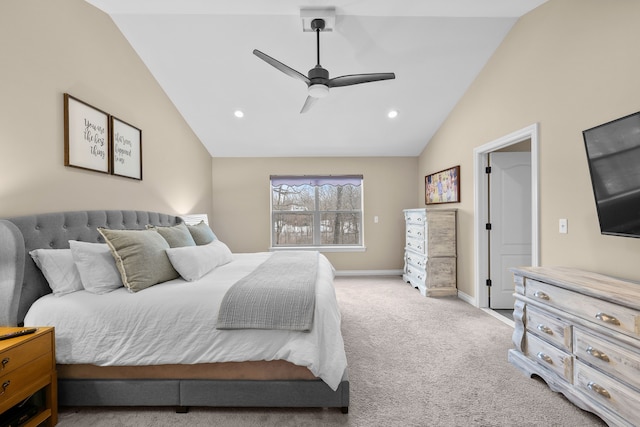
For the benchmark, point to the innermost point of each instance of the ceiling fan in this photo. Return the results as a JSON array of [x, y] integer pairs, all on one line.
[[318, 80]]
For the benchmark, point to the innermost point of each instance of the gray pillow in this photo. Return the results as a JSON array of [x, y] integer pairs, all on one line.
[[140, 257], [177, 235], [201, 233]]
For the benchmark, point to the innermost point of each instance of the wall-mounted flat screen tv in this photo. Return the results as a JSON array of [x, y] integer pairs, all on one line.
[[613, 153]]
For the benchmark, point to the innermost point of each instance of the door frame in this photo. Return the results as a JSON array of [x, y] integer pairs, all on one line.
[[480, 162]]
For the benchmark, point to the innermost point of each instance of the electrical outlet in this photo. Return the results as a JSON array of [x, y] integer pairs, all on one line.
[[375, 219], [563, 226]]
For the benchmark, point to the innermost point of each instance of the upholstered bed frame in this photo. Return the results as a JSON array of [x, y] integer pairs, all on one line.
[[22, 283]]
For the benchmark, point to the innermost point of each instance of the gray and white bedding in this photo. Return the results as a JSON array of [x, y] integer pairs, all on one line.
[[279, 294], [175, 323]]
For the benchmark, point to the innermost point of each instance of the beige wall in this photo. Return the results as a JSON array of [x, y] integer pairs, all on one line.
[[568, 65], [48, 48], [241, 208]]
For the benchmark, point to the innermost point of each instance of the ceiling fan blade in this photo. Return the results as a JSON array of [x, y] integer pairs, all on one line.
[[280, 66], [308, 104], [354, 79]]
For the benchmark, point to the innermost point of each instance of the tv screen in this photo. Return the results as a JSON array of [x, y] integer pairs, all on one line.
[[613, 153]]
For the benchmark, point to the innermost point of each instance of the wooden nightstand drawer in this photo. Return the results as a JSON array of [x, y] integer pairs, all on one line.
[[31, 377], [611, 358], [549, 328], [550, 357], [21, 354], [28, 372]]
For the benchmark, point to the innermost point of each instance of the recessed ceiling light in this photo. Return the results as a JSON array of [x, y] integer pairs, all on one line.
[[392, 114], [238, 113]]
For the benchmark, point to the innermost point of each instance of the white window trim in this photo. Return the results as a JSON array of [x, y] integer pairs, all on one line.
[[319, 248], [347, 248]]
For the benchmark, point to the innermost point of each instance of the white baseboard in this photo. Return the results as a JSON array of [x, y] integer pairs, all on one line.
[[499, 317], [368, 272], [467, 298]]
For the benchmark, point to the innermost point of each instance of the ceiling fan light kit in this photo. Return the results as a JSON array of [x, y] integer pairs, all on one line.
[[317, 80], [318, 91]]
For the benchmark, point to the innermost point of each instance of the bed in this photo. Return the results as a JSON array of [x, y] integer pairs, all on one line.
[[276, 367]]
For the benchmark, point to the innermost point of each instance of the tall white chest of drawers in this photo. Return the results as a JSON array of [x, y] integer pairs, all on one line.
[[430, 262], [580, 332]]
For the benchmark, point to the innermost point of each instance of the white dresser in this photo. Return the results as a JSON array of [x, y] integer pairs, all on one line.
[[580, 332], [430, 251]]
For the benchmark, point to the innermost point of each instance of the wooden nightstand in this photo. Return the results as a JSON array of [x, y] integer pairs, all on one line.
[[27, 366]]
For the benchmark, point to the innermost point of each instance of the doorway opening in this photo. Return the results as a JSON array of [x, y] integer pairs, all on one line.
[[481, 208]]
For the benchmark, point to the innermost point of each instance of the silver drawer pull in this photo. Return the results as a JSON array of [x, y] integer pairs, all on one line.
[[541, 295], [607, 319], [4, 362], [545, 357], [4, 387], [545, 329], [598, 389], [597, 354]]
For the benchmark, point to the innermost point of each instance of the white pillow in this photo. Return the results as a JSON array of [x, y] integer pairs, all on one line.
[[58, 268], [193, 262], [96, 266]]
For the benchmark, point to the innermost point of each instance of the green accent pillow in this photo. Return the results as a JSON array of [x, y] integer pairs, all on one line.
[[140, 257], [201, 233], [177, 235]]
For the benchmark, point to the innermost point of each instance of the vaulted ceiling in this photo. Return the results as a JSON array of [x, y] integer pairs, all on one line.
[[200, 52]]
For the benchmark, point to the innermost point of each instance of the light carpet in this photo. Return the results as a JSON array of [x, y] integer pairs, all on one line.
[[413, 361]]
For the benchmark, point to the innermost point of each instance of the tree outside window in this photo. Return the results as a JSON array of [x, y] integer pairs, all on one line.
[[316, 210]]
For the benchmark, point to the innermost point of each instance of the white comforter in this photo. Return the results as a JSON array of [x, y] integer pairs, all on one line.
[[174, 322]]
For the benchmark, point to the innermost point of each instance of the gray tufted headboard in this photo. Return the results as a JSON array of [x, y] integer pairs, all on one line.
[[21, 282]]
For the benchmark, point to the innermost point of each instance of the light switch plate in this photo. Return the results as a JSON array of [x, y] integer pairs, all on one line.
[[563, 226]]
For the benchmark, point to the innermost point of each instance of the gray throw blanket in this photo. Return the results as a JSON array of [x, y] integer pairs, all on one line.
[[279, 294]]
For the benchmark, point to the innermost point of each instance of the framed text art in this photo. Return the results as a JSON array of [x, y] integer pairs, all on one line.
[[126, 146], [86, 136], [442, 187]]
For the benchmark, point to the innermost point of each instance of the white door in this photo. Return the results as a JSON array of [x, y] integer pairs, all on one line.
[[510, 217]]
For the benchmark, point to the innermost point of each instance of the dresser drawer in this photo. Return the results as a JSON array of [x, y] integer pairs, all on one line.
[[415, 232], [622, 319], [31, 376], [549, 328], [416, 275], [19, 355], [416, 245], [611, 358], [604, 390], [415, 217], [416, 260], [549, 356]]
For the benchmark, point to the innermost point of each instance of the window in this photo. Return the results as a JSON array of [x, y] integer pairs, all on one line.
[[316, 211]]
